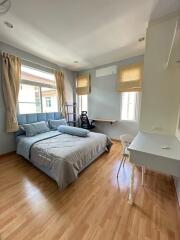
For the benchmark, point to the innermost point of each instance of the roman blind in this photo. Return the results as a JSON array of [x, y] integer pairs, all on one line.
[[130, 78], [83, 84]]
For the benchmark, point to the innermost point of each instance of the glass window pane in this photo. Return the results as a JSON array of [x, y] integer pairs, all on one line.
[[131, 103], [37, 91], [29, 99], [82, 103], [128, 106], [49, 99], [124, 106], [25, 108], [37, 73]]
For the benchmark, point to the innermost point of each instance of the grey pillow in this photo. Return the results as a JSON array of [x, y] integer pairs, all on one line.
[[21, 131], [54, 124], [33, 129]]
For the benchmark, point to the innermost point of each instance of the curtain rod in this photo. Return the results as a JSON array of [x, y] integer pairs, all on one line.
[[26, 60]]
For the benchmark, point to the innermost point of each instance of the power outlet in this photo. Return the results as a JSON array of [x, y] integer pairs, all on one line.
[[156, 128]]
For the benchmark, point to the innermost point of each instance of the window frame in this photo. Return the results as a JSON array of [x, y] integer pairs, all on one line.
[[48, 102], [137, 108], [78, 97], [36, 84]]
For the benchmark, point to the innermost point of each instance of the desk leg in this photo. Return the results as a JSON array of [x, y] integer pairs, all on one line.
[[131, 200], [142, 176]]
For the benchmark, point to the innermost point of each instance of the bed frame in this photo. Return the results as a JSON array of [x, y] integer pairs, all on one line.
[[64, 173]]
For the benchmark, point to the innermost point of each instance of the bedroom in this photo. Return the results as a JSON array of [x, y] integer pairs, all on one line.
[[115, 174]]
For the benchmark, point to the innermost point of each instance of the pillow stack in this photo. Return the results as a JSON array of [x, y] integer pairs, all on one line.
[[33, 129]]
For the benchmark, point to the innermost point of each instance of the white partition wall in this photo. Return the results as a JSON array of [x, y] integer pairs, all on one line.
[[161, 86]]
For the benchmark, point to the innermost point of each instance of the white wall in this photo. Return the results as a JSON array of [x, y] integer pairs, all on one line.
[[161, 85], [178, 127], [69, 83], [7, 141], [104, 101]]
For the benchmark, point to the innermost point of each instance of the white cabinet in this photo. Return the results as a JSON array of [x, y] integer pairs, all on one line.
[[174, 49]]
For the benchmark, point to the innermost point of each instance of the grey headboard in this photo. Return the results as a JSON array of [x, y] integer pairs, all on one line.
[[38, 117]]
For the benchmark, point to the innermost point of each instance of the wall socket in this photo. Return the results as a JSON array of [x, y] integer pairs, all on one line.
[[156, 128]]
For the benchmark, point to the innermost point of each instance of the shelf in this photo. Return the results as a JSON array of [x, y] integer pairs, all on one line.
[[71, 113], [104, 120]]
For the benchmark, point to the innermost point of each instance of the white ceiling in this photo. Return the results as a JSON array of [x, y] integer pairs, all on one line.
[[93, 32]]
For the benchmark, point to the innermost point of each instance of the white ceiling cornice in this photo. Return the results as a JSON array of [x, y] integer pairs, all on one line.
[[92, 32]]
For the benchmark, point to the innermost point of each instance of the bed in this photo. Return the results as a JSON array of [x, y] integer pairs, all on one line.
[[60, 156]]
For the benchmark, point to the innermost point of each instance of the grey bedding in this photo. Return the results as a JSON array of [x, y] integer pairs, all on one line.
[[62, 156]]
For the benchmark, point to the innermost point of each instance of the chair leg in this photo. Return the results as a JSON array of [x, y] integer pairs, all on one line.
[[124, 161], [120, 165]]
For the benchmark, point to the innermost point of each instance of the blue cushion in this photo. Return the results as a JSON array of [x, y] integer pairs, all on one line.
[[49, 116], [35, 128], [38, 117], [41, 117], [57, 116], [54, 124], [21, 119], [21, 131], [31, 118], [80, 132]]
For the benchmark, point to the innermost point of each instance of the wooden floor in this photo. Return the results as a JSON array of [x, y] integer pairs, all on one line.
[[94, 207]]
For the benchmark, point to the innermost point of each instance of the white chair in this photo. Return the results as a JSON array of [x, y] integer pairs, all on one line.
[[125, 139]]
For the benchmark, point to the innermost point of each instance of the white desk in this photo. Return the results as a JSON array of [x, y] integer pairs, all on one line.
[[147, 150]]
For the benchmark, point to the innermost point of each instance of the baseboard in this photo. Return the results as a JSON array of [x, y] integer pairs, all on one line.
[[115, 140], [6, 154]]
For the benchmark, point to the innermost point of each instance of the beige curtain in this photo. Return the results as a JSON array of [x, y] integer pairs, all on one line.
[[83, 84], [130, 78], [11, 67], [61, 92]]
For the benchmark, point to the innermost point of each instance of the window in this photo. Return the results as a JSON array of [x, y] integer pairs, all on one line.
[[82, 103], [37, 91], [130, 106]]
